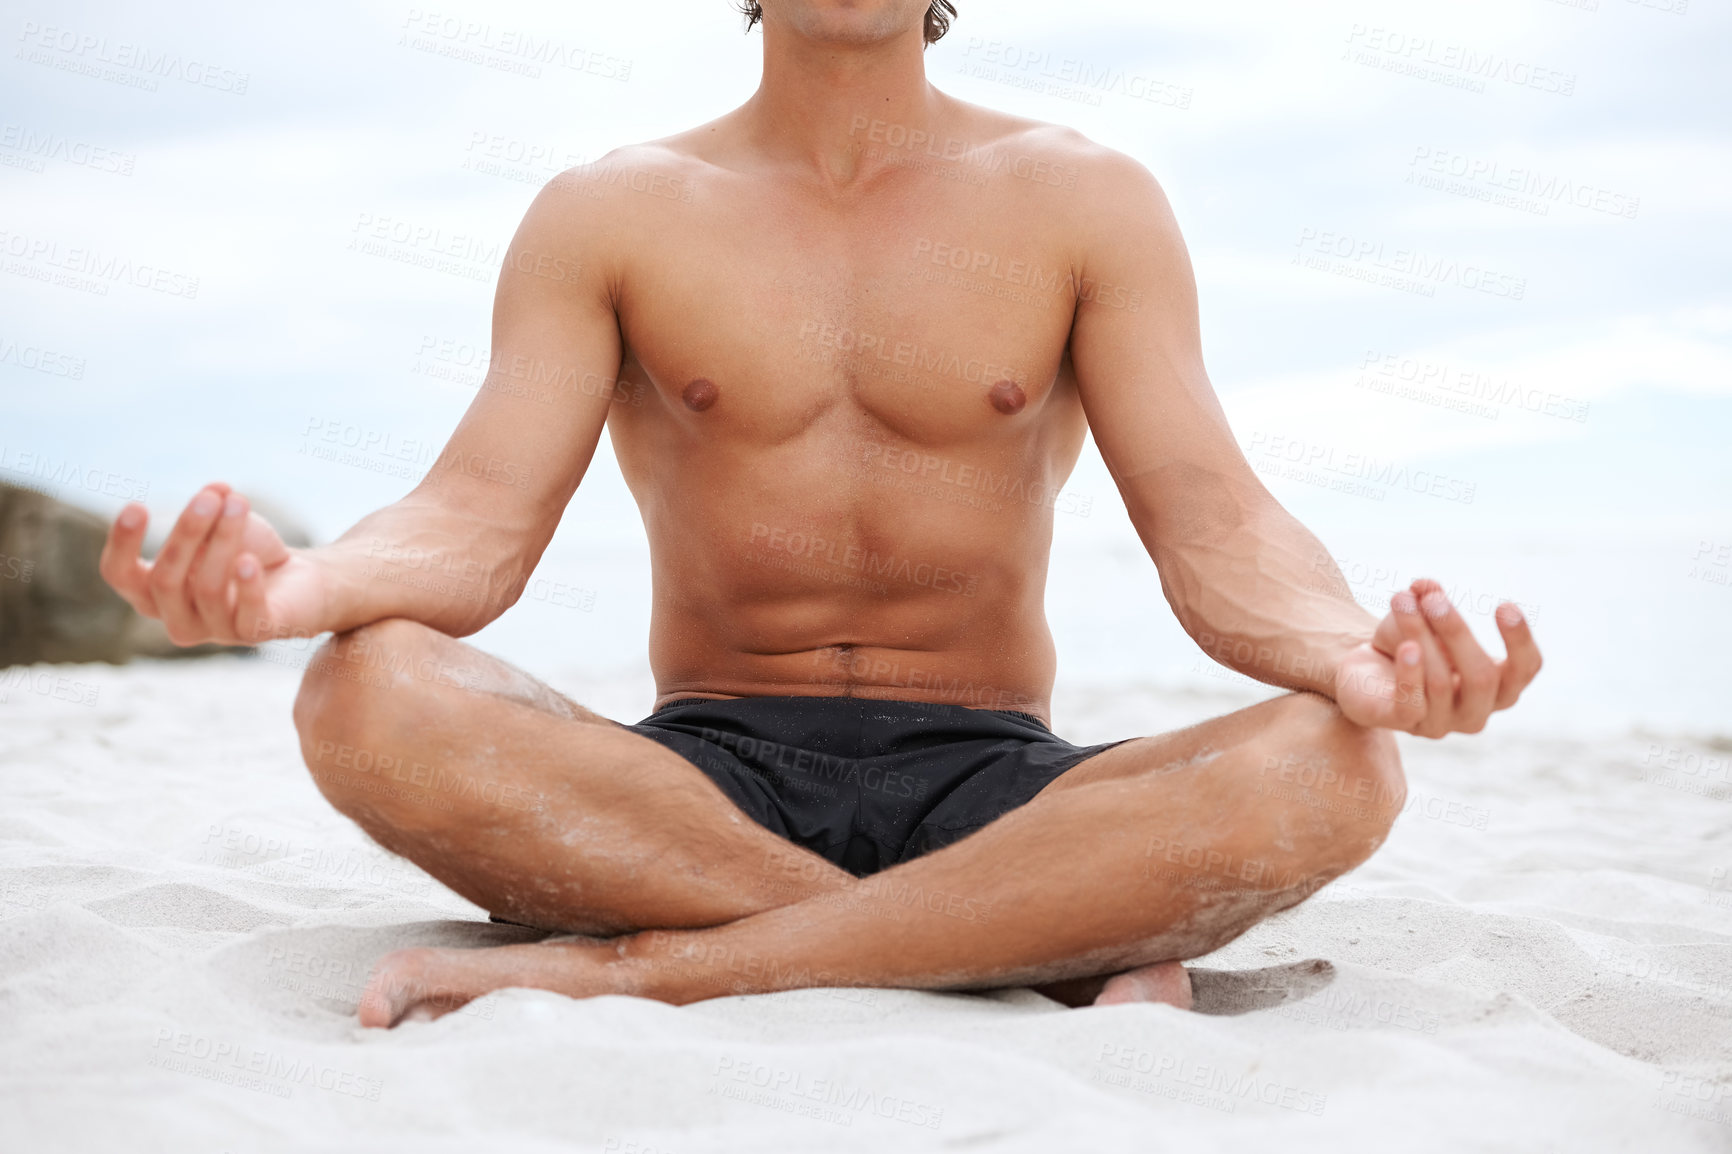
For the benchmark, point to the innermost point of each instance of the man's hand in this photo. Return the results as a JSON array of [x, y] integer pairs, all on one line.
[[1423, 671], [223, 575]]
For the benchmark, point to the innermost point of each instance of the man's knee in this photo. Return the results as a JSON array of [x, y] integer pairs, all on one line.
[[346, 670], [1349, 777], [354, 697]]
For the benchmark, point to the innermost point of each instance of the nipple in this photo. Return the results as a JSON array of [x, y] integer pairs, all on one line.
[[1007, 397], [702, 393]]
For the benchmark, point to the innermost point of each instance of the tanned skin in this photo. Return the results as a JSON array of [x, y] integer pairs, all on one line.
[[777, 316]]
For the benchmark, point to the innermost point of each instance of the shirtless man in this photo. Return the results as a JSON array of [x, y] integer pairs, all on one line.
[[847, 340]]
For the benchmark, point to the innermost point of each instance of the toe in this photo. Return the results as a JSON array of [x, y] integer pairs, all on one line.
[[1164, 982], [391, 991]]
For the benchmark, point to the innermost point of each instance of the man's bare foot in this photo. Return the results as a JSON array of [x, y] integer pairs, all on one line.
[[423, 984], [413, 985], [1161, 982]]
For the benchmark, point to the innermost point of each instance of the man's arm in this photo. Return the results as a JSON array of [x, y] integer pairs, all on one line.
[[456, 551], [1248, 582]]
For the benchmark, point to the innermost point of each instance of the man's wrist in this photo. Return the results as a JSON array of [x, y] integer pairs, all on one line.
[[1293, 663], [1338, 652]]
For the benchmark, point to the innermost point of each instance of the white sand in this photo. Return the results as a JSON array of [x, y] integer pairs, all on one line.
[[1540, 959]]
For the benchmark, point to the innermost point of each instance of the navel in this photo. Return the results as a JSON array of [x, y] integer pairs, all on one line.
[[1007, 397], [700, 394]]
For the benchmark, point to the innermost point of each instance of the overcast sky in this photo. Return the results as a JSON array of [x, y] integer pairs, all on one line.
[[1521, 206]]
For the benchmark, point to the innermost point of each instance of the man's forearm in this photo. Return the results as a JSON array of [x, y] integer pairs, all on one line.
[[451, 570], [1265, 598]]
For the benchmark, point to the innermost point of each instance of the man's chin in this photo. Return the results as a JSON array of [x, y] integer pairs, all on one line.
[[853, 27]]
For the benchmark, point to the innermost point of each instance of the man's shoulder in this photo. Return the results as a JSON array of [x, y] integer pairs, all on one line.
[[590, 207], [1044, 154], [657, 170]]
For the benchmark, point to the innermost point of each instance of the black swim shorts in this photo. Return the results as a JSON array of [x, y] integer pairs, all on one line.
[[865, 784]]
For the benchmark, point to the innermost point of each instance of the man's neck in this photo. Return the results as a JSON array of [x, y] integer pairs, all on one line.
[[818, 99]]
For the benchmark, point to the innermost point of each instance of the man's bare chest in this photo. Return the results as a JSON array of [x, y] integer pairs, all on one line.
[[936, 323]]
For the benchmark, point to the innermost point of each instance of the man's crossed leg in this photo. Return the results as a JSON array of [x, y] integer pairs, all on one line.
[[1155, 851]]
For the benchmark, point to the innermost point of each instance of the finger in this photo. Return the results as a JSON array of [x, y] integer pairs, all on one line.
[[1422, 588], [1424, 585], [168, 576], [1477, 689], [1442, 682], [1410, 682], [1388, 634], [1437, 695], [263, 542], [121, 564], [251, 618], [1386, 637], [213, 574], [1410, 701], [1523, 662]]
